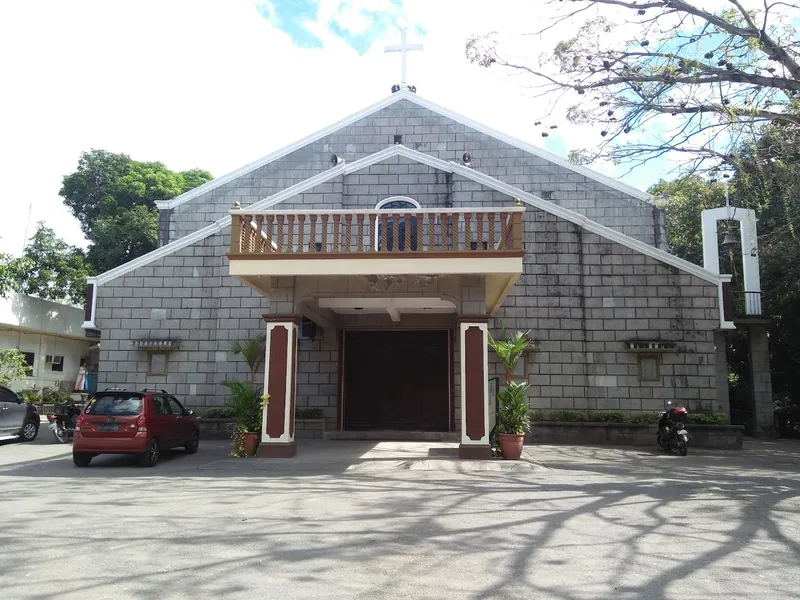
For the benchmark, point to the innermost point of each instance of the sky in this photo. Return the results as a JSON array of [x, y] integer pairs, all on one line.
[[215, 85]]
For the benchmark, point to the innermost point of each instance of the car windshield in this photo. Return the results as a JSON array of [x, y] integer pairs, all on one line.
[[123, 405]]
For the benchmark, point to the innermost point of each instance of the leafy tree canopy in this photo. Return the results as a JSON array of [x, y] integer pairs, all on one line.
[[12, 366], [114, 196], [49, 269]]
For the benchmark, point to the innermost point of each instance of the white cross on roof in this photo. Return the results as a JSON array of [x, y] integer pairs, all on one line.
[[404, 48]]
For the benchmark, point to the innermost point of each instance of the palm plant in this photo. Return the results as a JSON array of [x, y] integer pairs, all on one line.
[[514, 408], [253, 351], [245, 402]]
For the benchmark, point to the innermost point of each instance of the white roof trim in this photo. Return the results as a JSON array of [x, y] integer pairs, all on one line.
[[449, 167], [166, 250], [388, 101]]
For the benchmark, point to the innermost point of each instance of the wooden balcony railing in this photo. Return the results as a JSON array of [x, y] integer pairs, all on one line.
[[399, 233]]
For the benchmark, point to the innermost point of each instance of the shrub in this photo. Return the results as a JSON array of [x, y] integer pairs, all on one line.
[[31, 395], [644, 418], [607, 416], [712, 418], [305, 412], [568, 416], [536, 415], [245, 403], [219, 412]]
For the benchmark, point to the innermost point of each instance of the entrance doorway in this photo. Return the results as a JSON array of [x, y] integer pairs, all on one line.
[[396, 380]]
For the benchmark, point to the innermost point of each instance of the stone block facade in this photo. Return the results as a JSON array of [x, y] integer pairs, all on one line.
[[581, 296], [436, 135]]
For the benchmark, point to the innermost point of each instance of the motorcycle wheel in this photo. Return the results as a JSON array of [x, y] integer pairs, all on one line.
[[683, 447], [662, 443], [60, 434]]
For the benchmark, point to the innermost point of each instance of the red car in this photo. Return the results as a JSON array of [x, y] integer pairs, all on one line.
[[141, 423]]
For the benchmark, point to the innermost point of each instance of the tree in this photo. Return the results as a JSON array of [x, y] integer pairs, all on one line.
[[664, 76], [114, 196], [13, 366], [49, 269], [684, 201], [253, 351], [771, 190]]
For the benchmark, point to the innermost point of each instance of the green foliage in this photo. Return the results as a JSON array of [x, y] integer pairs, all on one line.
[[644, 418], [606, 416], [536, 415], [253, 351], [114, 196], [51, 395], [712, 418], [510, 349], [767, 180], [568, 416], [219, 412], [31, 396], [245, 404], [305, 412], [641, 418], [121, 237], [513, 399], [685, 200], [514, 409], [49, 269], [12, 366]]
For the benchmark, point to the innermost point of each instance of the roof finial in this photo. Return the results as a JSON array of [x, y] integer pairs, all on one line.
[[404, 48]]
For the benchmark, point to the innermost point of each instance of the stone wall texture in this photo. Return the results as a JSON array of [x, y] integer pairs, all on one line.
[[438, 136], [581, 296]]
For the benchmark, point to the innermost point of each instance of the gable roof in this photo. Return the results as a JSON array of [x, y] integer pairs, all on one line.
[[388, 101], [420, 157]]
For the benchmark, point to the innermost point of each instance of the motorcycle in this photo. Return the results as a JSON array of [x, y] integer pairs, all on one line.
[[63, 425], [672, 432]]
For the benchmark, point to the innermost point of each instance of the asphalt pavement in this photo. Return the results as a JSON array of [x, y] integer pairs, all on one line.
[[366, 520]]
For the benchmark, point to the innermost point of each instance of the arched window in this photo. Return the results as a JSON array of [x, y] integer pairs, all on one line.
[[397, 203]]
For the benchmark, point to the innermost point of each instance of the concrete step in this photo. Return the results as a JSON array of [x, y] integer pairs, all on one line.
[[393, 436], [8, 438]]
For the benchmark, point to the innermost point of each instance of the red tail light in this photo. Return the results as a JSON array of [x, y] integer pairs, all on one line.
[[142, 423], [78, 424]]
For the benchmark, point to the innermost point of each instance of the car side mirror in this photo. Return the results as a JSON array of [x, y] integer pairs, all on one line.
[[190, 413]]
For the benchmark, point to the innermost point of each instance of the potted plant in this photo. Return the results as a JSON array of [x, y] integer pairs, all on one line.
[[515, 417], [245, 403]]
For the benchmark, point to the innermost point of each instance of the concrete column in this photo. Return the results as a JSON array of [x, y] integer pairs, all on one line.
[[721, 363], [761, 381], [474, 388], [280, 373]]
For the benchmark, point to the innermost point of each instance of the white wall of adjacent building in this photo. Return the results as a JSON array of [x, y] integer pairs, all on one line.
[[50, 334]]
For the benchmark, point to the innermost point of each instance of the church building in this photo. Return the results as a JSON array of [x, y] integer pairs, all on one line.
[[377, 254]]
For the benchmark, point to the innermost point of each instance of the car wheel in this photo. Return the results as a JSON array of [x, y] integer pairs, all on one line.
[[151, 455], [29, 431], [193, 443], [81, 460]]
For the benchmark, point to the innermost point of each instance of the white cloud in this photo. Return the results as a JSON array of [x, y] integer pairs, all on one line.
[[196, 83]]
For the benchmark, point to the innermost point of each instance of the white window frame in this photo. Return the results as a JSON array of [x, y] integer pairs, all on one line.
[[384, 202]]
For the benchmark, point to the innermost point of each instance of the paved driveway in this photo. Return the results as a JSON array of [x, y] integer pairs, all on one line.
[[359, 520]]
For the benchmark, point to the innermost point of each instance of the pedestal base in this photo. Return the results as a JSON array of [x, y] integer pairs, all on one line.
[[267, 450], [471, 452]]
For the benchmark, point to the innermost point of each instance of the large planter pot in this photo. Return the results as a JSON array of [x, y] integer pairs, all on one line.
[[248, 440], [511, 445]]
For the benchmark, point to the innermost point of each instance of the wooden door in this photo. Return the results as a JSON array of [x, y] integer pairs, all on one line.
[[397, 380]]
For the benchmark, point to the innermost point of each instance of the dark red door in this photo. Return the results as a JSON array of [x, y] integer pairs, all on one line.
[[397, 380]]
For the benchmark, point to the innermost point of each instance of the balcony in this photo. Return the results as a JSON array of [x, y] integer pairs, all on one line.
[[740, 305], [485, 242]]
